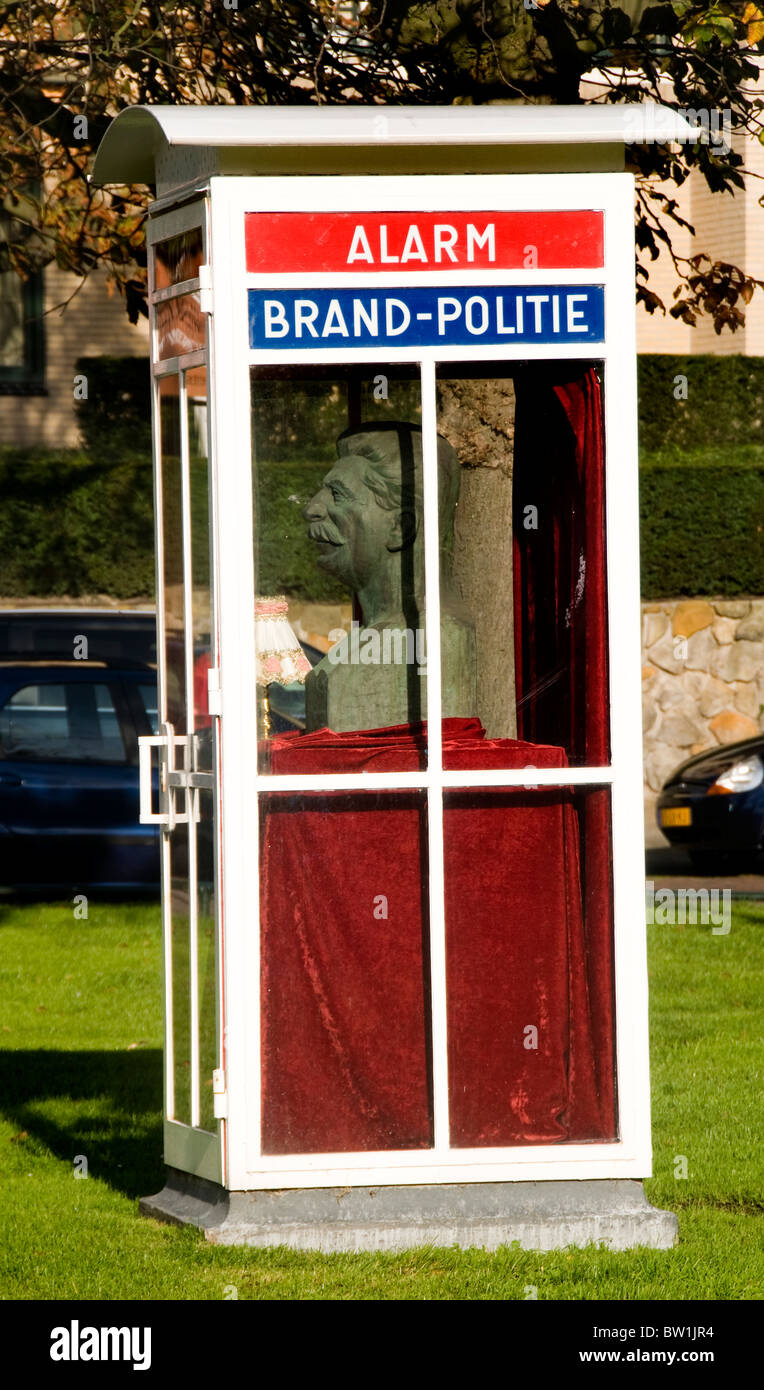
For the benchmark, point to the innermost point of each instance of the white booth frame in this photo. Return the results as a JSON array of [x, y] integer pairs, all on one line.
[[242, 1164]]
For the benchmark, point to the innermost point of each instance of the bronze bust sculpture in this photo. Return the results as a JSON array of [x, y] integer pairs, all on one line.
[[367, 522]]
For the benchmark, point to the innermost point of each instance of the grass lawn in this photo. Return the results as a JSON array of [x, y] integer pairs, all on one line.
[[81, 1064]]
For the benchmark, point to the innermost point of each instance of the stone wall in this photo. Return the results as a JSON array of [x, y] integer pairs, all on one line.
[[702, 679]]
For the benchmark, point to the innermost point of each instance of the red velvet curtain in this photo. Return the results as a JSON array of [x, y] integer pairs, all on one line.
[[344, 931], [560, 618], [344, 936]]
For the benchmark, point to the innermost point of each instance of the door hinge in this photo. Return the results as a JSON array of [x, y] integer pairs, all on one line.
[[219, 1094], [205, 289]]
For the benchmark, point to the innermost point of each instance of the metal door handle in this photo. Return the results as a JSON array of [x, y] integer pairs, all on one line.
[[145, 744], [170, 779]]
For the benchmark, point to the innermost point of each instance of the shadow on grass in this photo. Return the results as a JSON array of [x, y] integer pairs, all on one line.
[[105, 1105]]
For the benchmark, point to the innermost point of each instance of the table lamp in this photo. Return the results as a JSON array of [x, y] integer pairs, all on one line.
[[279, 658]]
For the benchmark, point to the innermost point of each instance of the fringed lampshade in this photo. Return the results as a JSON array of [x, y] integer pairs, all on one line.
[[279, 658]]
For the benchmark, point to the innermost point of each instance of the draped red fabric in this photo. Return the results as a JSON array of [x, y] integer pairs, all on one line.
[[560, 620], [344, 937]]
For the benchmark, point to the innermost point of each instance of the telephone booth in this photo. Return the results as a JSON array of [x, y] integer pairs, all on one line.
[[394, 401]]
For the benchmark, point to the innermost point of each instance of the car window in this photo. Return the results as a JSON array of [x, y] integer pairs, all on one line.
[[148, 694], [68, 723]]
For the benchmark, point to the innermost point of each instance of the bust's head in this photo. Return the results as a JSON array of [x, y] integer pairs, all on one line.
[[369, 507]]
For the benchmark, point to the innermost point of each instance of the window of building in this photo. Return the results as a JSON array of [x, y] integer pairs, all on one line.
[[22, 342]]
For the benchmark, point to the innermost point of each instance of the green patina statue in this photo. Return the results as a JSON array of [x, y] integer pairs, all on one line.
[[367, 523]]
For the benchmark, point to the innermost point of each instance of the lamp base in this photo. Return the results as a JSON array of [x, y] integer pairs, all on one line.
[[613, 1212]]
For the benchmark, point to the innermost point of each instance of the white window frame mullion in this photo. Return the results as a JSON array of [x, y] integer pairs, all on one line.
[[435, 857], [239, 783], [175, 291], [529, 778], [171, 366]]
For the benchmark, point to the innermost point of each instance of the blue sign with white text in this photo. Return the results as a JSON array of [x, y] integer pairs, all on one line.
[[426, 316]]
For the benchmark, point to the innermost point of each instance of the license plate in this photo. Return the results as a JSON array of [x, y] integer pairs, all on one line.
[[676, 815]]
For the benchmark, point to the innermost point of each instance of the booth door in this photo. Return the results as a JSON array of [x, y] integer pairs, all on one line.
[[188, 774]]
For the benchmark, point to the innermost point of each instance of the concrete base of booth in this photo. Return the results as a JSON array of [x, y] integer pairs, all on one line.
[[538, 1215]]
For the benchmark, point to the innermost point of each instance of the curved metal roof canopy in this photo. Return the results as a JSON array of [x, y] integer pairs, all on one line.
[[167, 144]]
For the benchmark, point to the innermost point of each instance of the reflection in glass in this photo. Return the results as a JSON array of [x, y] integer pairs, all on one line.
[[172, 543], [529, 955], [281, 665], [297, 418], [181, 975], [339, 530], [180, 326], [206, 957], [178, 258], [561, 644], [345, 978], [528, 549], [201, 599]]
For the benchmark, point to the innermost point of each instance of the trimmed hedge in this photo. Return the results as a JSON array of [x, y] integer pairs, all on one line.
[[286, 558], [115, 420], [701, 531], [80, 521], [701, 474], [724, 408], [724, 405], [69, 525]]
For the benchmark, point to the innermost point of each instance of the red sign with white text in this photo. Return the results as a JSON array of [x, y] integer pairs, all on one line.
[[314, 242]]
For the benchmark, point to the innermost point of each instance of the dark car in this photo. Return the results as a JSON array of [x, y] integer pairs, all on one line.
[[713, 807], [71, 714], [77, 689], [69, 777], [125, 635]]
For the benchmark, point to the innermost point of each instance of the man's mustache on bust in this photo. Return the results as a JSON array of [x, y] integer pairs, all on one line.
[[317, 532]]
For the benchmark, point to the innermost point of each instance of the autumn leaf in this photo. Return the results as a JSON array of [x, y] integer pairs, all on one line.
[[754, 19]]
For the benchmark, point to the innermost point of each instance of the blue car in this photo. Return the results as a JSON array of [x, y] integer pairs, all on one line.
[[70, 719], [69, 777], [713, 807]]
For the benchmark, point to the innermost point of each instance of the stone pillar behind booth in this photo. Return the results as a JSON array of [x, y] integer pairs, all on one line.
[[477, 418]]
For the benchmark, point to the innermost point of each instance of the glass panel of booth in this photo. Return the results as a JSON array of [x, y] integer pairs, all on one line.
[[346, 1033], [207, 960], [339, 563], [181, 327], [373, 895], [177, 252], [201, 575], [178, 257], [523, 593], [173, 712], [202, 758], [349, 1050], [528, 899], [523, 550], [186, 609], [173, 587]]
